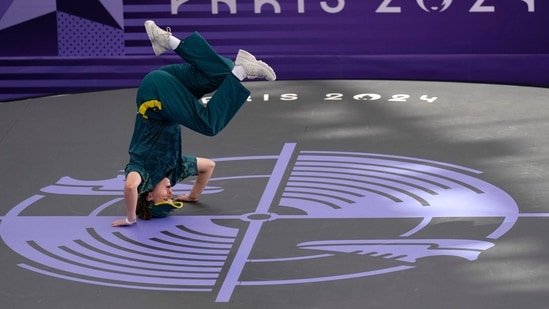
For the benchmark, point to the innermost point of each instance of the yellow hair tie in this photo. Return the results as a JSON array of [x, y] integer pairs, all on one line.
[[164, 208]]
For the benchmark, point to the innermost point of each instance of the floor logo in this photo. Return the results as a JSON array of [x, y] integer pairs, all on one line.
[[305, 190]]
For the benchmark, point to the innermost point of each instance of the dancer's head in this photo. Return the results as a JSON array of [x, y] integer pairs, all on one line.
[[158, 202]]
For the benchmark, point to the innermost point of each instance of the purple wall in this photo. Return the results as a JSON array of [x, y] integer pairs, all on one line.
[[74, 46]]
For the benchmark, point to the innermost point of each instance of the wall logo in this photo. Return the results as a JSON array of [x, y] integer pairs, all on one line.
[[303, 193], [479, 6], [336, 7]]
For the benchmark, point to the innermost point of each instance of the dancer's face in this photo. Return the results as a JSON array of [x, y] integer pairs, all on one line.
[[162, 192]]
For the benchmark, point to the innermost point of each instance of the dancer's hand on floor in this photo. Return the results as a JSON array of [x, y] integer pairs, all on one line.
[[122, 222], [186, 198]]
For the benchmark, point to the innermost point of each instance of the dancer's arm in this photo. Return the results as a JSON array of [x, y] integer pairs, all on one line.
[[133, 180], [205, 171]]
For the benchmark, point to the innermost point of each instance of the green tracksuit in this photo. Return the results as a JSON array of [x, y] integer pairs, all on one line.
[[169, 97]]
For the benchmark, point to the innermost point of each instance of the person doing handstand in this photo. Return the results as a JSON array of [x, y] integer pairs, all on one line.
[[169, 97]]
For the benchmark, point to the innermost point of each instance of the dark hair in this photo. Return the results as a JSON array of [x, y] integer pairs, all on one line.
[[143, 210]]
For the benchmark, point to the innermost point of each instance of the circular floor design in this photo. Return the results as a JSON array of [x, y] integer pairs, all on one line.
[[326, 193]]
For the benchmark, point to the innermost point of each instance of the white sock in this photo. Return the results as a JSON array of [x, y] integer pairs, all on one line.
[[173, 42], [239, 72]]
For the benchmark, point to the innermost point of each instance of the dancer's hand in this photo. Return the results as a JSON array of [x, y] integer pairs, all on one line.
[[123, 222], [186, 198]]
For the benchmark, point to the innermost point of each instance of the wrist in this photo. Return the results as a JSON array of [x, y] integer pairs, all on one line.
[[130, 222]]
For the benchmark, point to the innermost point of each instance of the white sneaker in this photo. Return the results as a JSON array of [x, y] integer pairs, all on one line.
[[159, 38], [254, 68]]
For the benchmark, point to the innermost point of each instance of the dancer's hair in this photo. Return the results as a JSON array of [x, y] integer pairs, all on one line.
[[143, 210]]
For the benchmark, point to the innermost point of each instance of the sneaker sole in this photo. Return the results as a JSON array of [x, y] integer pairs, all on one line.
[[270, 74], [149, 28]]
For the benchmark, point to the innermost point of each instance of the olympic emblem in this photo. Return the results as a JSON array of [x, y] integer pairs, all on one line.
[[434, 6], [324, 205]]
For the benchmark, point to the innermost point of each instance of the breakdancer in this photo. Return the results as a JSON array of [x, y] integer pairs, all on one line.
[[169, 97]]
